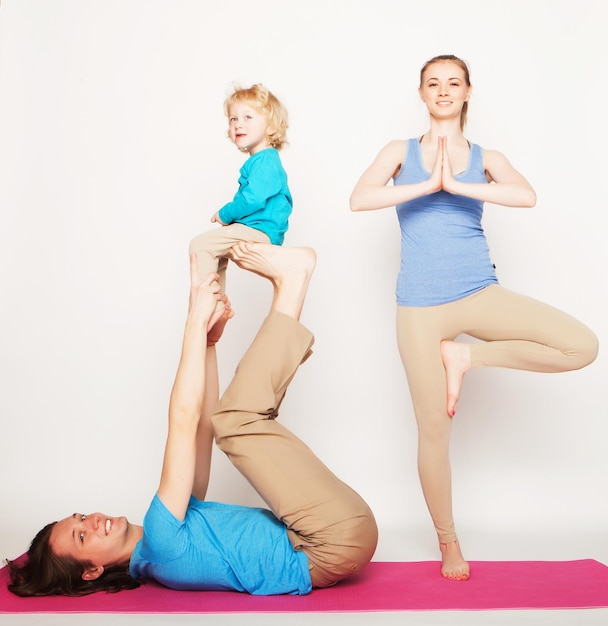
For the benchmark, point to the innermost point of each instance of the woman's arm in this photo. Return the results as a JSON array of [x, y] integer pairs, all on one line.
[[510, 188], [188, 397], [371, 191]]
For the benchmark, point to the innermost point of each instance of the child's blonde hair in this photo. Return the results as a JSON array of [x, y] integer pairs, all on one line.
[[266, 102]]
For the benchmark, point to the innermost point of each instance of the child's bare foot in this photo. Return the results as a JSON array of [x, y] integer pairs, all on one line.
[[453, 565], [289, 270], [456, 359], [218, 321]]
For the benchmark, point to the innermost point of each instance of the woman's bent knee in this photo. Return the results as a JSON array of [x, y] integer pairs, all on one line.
[[589, 350]]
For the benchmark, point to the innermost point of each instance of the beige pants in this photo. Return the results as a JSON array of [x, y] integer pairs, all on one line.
[[324, 517], [212, 247], [517, 332]]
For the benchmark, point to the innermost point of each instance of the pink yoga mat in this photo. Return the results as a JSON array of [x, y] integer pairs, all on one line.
[[382, 586]]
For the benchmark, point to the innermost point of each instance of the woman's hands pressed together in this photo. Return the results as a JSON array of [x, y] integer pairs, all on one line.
[[442, 177]]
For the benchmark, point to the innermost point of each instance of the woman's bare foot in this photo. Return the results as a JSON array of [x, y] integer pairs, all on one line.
[[453, 565], [289, 270], [218, 322], [456, 359]]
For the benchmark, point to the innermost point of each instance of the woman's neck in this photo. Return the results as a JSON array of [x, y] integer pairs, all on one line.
[[445, 128], [454, 139]]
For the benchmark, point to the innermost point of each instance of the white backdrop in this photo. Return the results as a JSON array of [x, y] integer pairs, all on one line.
[[113, 154]]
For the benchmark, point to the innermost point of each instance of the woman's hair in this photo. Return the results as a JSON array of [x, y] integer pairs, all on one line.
[[46, 574], [270, 106], [467, 77]]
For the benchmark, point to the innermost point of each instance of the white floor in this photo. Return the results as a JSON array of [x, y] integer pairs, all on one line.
[[481, 546], [440, 618]]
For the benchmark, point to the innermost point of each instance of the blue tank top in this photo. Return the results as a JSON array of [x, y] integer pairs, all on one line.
[[444, 252]]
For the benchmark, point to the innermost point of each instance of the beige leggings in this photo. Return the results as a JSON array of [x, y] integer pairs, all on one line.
[[324, 517], [517, 332], [212, 247]]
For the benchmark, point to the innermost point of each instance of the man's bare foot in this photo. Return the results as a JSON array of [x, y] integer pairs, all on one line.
[[289, 270], [456, 359], [218, 322], [453, 565], [215, 316]]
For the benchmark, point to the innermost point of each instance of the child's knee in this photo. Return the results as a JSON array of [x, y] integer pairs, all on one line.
[[198, 244]]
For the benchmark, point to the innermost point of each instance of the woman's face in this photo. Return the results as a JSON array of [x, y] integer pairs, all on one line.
[[444, 89]]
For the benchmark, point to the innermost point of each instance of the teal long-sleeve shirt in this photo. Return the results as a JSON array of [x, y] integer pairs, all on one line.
[[263, 200]]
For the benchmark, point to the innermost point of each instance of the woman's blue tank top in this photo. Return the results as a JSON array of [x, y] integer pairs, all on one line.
[[444, 252]]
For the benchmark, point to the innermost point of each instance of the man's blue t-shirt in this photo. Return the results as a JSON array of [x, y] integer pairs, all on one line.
[[219, 547]]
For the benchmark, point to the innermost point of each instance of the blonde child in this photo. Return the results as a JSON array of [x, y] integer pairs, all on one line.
[[260, 210]]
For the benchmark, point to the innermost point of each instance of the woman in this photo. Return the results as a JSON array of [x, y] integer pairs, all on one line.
[[447, 284], [319, 531]]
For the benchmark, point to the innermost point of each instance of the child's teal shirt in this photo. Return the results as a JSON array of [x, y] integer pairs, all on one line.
[[263, 200]]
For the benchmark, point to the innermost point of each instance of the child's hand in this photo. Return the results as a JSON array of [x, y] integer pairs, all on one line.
[[216, 218]]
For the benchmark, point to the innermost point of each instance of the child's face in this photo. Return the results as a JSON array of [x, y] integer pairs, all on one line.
[[247, 127]]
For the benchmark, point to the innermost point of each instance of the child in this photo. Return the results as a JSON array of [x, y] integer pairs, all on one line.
[[259, 212]]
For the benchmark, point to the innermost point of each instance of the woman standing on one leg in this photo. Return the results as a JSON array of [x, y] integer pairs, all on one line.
[[447, 284]]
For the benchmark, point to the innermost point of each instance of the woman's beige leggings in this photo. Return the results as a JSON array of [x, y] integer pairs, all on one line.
[[516, 332]]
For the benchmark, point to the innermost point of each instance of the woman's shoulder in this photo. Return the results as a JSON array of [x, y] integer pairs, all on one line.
[[491, 157], [398, 144], [395, 150]]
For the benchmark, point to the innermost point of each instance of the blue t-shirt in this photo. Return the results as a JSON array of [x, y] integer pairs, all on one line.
[[263, 200], [444, 251], [219, 547]]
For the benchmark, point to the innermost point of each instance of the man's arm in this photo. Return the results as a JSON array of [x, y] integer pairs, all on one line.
[[188, 397]]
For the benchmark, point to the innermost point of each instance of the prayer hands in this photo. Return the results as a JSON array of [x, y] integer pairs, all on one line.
[[442, 176]]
